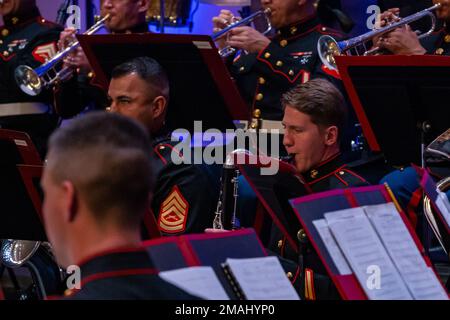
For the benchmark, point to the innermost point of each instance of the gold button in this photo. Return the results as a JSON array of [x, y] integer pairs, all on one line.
[[1, 42], [257, 113], [283, 43], [5, 32], [14, 20], [291, 72], [259, 97], [293, 30], [314, 173], [341, 173], [324, 29], [161, 147], [5, 53], [241, 69], [91, 75], [447, 38], [43, 20], [267, 55], [301, 234], [280, 244], [262, 80], [254, 125], [279, 63], [439, 51], [289, 275]]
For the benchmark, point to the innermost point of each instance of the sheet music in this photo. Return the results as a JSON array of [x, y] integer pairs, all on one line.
[[366, 255], [332, 247], [262, 279], [444, 206], [404, 253], [198, 281]]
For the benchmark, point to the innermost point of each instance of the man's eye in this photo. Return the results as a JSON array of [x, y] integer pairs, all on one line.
[[124, 101]]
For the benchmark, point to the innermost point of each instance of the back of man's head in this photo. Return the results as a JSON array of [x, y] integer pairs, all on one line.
[[106, 158], [147, 69], [321, 100]]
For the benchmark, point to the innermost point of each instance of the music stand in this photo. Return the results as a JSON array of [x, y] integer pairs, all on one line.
[[201, 86], [20, 195], [400, 101]]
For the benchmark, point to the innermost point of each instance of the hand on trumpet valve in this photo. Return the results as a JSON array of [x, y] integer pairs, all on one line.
[[248, 39], [75, 60], [223, 20], [401, 41], [388, 17]]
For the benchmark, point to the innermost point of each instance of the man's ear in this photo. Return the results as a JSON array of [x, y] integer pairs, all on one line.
[[331, 135], [159, 106], [71, 204], [143, 5]]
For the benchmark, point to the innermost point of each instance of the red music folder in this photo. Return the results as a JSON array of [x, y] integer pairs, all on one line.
[[310, 209], [213, 249]]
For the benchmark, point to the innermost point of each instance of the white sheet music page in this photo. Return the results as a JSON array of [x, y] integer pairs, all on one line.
[[198, 281], [262, 279], [419, 278], [332, 247], [366, 255]]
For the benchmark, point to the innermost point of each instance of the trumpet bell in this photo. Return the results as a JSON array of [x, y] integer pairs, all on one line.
[[328, 48], [14, 253], [28, 80]]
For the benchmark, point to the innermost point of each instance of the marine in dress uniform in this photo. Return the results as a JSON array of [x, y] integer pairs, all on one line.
[[123, 274], [305, 269], [290, 59], [26, 39], [186, 195]]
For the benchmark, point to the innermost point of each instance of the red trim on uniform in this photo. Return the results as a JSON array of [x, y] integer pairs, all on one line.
[[351, 198], [119, 273], [110, 251], [328, 160], [326, 176], [155, 149], [354, 174], [7, 58], [339, 178], [310, 293], [40, 58], [277, 71], [297, 273], [2, 295]]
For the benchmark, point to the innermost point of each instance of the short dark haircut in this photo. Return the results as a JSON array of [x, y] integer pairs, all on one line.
[[107, 158], [147, 69], [321, 100]]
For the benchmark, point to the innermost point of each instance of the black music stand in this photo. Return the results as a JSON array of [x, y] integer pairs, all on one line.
[[401, 101], [201, 86], [20, 194]]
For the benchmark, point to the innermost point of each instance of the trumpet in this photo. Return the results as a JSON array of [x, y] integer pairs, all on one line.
[[227, 51], [328, 48], [33, 81]]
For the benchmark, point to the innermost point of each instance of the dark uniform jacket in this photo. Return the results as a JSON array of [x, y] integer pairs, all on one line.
[[306, 266], [186, 195], [125, 274], [438, 43], [25, 39], [290, 59], [81, 91], [30, 40]]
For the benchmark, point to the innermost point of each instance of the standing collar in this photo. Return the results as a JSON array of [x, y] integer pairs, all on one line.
[[323, 169], [116, 260], [303, 26], [17, 20]]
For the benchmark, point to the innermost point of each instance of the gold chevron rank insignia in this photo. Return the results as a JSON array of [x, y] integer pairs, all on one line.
[[173, 212]]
